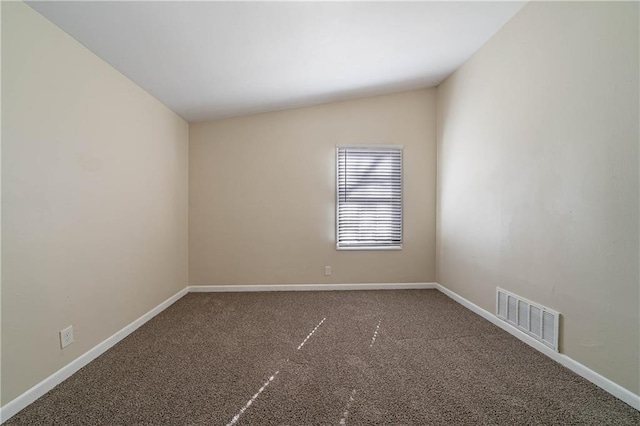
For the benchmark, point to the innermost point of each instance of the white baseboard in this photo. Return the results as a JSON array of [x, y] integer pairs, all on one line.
[[581, 370], [309, 287], [20, 402], [32, 394]]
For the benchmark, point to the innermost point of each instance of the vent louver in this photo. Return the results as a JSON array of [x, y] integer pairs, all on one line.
[[536, 320]]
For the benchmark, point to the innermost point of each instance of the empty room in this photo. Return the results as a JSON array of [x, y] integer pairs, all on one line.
[[305, 213]]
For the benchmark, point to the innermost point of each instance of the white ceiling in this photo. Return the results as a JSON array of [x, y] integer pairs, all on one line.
[[208, 60]]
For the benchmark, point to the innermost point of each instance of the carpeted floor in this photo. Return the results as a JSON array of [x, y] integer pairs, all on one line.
[[379, 357]]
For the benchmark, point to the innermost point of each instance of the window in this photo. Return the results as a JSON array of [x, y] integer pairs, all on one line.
[[369, 197]]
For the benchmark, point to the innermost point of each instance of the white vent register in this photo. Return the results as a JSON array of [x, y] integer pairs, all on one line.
[[536, 320]]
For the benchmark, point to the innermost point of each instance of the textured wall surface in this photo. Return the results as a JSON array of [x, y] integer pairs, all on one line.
[[94, 199], [538, 176], [262, 193]]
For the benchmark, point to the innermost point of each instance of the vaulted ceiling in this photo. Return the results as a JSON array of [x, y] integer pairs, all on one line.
[[207, 60]]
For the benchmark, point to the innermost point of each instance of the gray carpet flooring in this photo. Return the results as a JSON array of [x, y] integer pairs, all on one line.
[[409, 357]]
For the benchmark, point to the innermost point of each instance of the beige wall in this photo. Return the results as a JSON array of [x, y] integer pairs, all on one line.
[[538, 176], [262, 193], [94, 199]]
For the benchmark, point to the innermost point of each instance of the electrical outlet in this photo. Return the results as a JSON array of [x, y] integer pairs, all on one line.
[[66, 337], [327, 271]]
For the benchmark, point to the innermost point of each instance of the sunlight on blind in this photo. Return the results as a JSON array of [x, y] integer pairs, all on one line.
[[369, 212]]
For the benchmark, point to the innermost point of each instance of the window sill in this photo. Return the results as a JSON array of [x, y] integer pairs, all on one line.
[[371, 248]]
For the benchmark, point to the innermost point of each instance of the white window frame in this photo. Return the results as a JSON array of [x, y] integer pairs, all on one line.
[[373, 147]]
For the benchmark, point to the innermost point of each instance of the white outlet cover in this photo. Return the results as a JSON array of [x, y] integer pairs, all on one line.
[[66, 337], [327, 270]]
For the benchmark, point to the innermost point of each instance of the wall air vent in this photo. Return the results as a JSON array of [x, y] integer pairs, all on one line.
[[536, 320]]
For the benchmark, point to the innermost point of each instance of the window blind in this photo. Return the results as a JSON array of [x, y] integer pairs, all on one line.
[[369, 197]]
